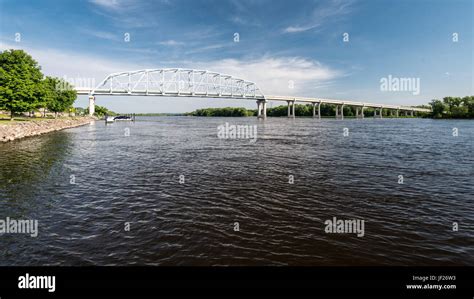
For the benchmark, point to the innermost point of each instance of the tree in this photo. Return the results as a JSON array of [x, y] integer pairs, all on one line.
[[59, 95], [20, 81], [100, 111], [469, 103], [438, 108]]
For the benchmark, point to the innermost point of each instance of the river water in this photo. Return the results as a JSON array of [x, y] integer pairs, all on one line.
[[168, 191]]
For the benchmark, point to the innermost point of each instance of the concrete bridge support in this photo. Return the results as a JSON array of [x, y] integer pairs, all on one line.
[[91, 105], [398, 113], [319, 110], [261, 109], [411, 113], [291, 109], [379, 115], [360, 113], [339, 115]]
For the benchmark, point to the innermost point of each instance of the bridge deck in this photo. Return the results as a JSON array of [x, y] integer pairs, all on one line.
[[240, 97]]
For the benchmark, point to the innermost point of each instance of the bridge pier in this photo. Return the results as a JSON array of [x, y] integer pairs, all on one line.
[[291, 109], [319, 110], [341, 114], [412, 113], [380, 112], [91, 105], [262, 109], [397, 113]]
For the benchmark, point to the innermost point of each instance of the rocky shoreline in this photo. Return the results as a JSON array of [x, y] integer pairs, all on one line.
[[21, 129]]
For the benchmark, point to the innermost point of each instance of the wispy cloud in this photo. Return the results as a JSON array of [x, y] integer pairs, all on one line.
[[107, 4], [324, 13], [278, 75], [171, 43], [294, 29], [244, 21], [102, 35], [207, 48]]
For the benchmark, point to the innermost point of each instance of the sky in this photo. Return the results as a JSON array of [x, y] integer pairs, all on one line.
[[339, 49]]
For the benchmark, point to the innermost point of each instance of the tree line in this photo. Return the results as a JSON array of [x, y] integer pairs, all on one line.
[[453, 107], [449, 107], [327, 110], [225, 112], [24, 88]]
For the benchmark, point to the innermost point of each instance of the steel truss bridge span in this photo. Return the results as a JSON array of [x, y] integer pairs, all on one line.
[[177, 82]]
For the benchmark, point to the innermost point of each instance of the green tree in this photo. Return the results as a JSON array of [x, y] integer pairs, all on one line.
[[20, 81], [469, 103], [438, 108], [59, 95]]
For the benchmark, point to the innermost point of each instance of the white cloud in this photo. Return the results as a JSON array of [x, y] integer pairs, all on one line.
[[294, 29], [107, 4], [273, 75], [171, 42]]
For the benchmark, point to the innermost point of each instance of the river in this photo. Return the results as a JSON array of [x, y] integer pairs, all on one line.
[[168, 191]]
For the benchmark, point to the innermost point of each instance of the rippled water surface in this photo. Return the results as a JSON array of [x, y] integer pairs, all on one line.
[[136, 179]]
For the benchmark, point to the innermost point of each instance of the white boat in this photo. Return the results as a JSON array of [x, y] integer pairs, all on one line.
[[122, 117], [109, 119]]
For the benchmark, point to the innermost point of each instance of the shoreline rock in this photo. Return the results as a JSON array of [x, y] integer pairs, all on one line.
[[21, 129]]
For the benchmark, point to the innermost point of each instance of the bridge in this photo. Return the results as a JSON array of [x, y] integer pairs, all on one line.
[[177, 82]]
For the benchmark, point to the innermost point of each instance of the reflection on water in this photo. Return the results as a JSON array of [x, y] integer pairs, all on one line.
[[182, 190]]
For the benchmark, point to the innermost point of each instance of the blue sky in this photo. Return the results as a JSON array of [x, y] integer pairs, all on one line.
[[279, 41]]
